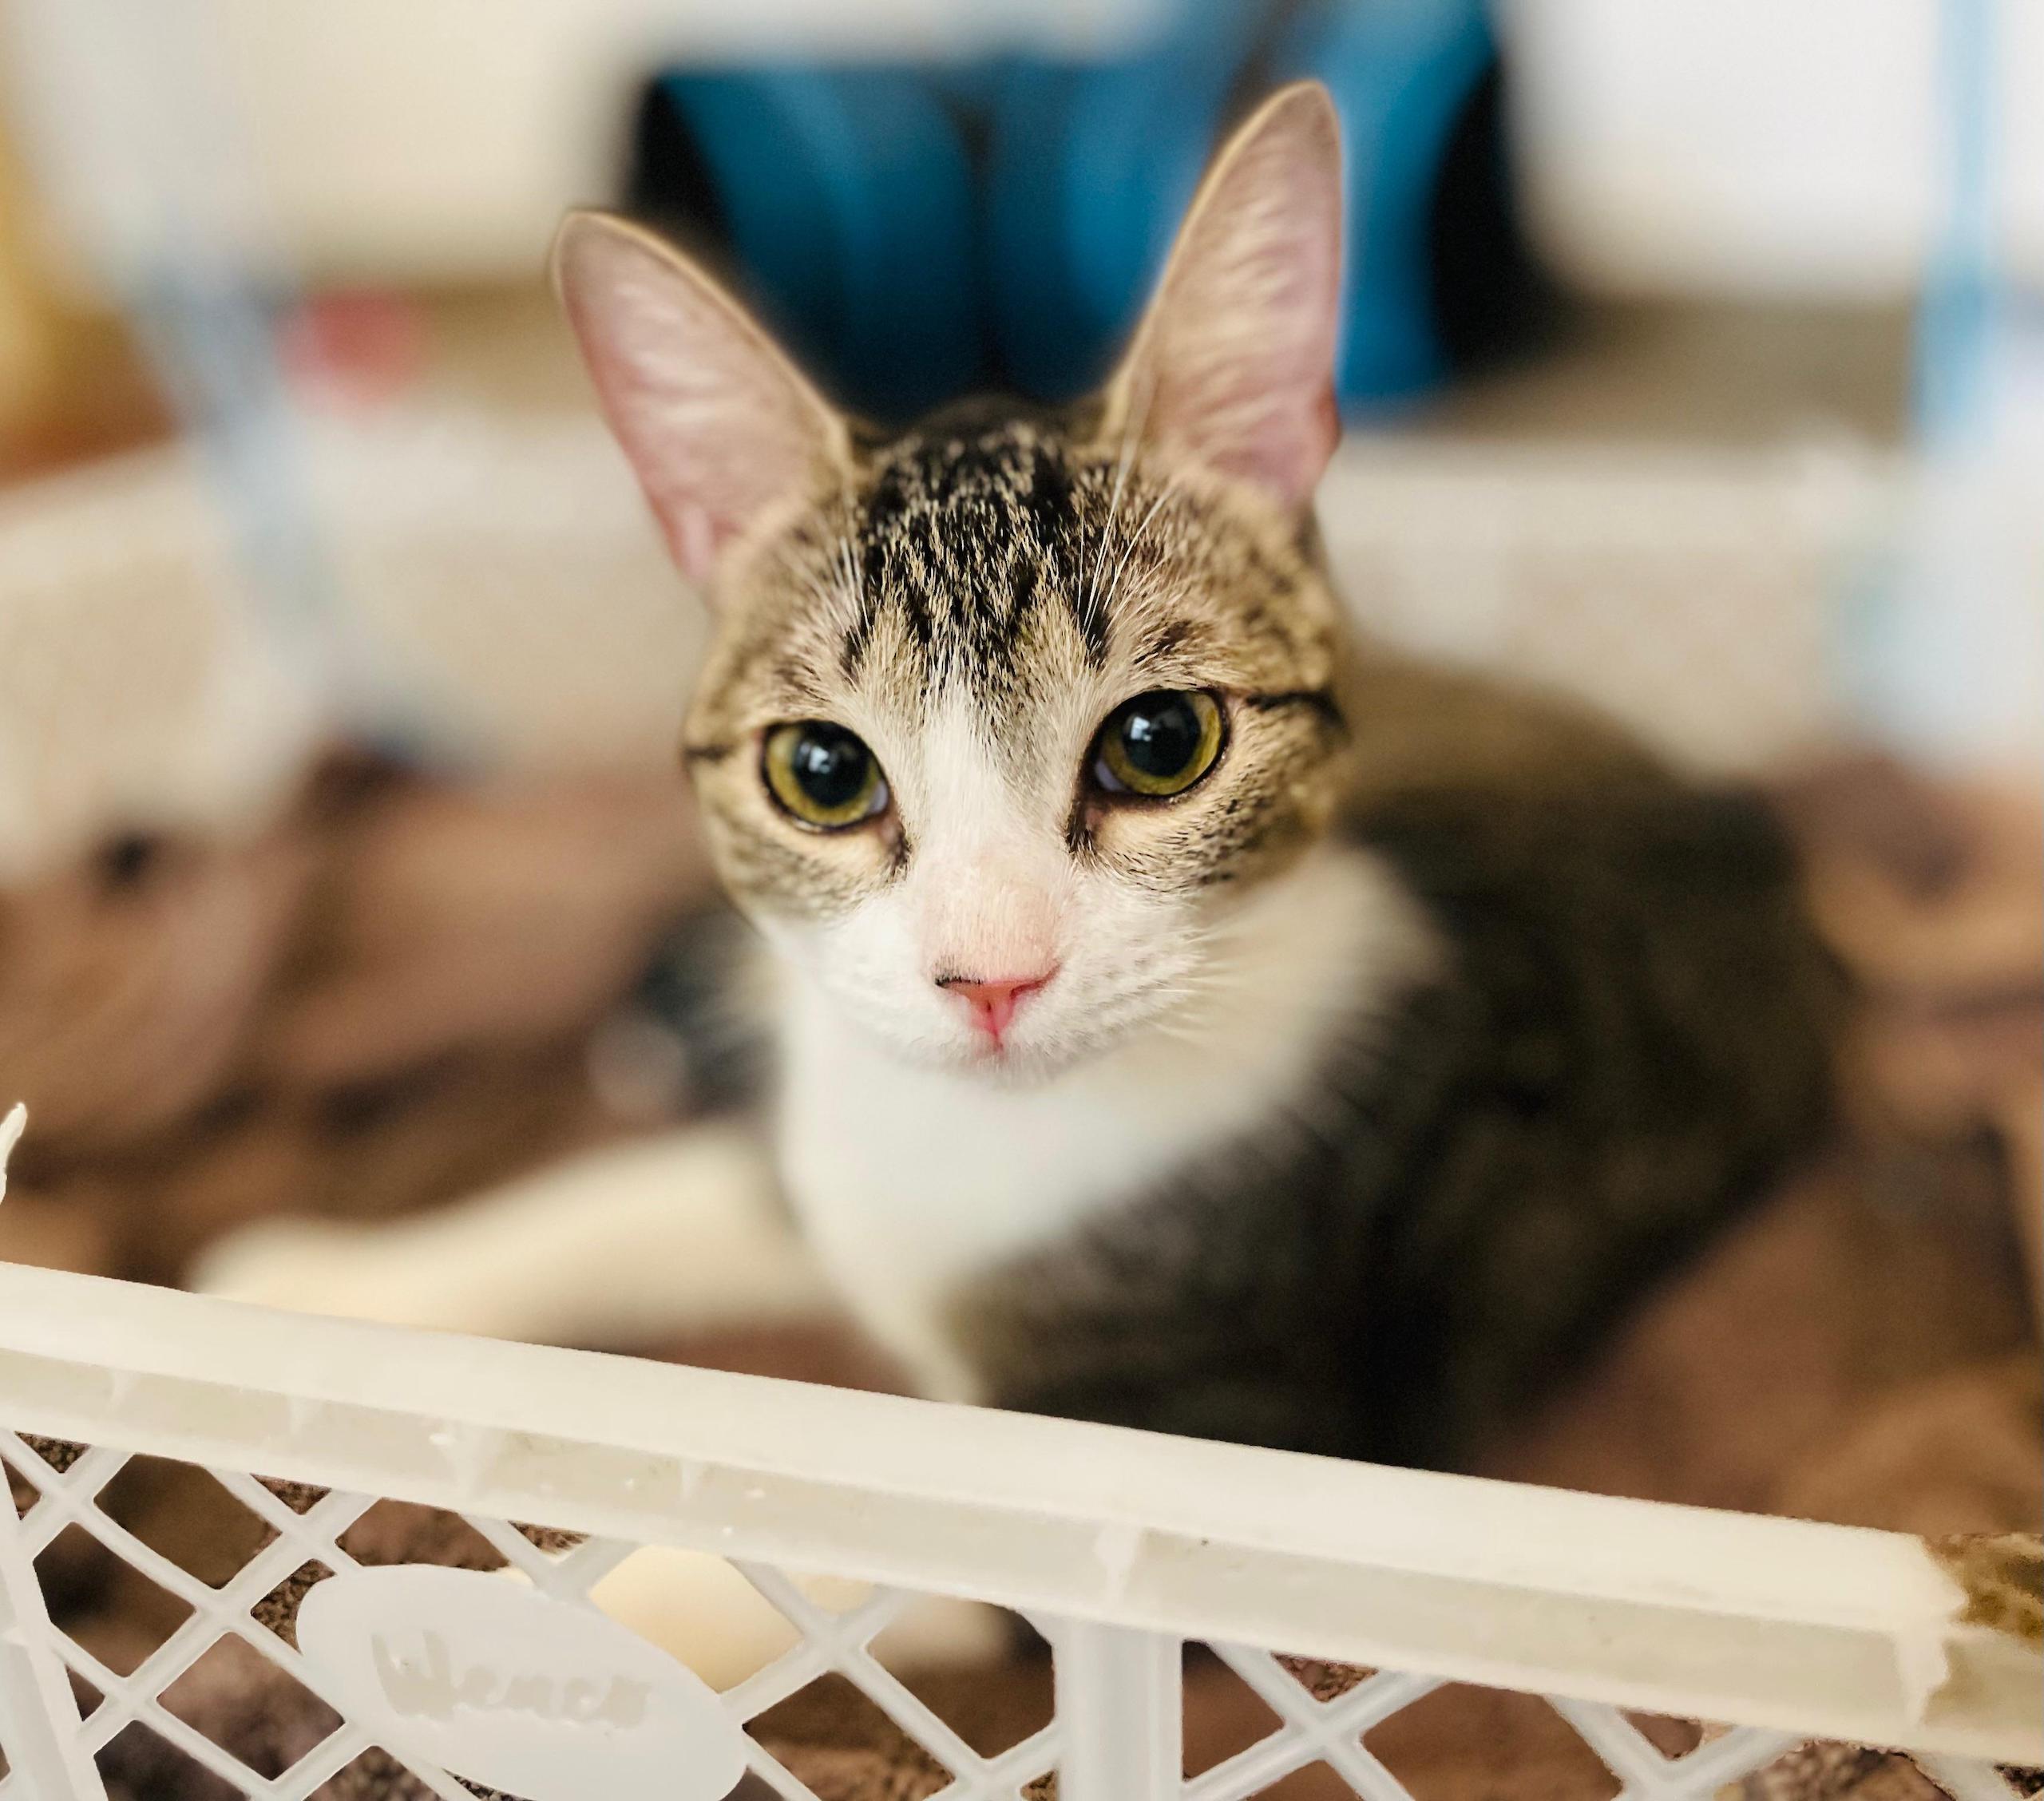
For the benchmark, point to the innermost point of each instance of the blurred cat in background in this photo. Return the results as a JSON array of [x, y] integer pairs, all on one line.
[[1178, 1010]]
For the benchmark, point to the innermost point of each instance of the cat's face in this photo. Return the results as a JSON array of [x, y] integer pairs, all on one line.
[[1017, 713], [1001, 716]]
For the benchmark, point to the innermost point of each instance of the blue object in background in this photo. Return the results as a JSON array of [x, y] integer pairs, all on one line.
[[1089, 170], [845, 199], [1401, 72], [919, 234]]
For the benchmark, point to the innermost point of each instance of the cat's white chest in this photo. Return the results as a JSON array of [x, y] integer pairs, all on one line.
[[909, 1182]]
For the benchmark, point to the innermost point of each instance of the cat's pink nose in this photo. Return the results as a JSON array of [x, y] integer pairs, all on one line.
[[993, 1003]]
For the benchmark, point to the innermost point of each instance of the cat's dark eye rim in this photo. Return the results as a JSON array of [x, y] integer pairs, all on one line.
[[1111, 777], [780, 776]]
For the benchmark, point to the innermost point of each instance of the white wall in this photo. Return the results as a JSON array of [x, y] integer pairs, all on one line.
[[1781, 148], [412, 139]]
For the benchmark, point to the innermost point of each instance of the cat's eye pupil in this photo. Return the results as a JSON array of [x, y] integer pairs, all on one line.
[[1161, 735], [1158, 745], [831, 765]]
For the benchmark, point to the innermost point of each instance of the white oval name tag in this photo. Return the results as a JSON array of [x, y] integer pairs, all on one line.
[[517, 1690]]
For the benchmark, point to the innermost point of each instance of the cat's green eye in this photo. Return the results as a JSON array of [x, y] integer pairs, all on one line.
[[822, 775], [1157, 745]]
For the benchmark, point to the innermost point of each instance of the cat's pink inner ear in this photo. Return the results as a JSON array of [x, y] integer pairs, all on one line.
[[1233, 363], [718, 425]]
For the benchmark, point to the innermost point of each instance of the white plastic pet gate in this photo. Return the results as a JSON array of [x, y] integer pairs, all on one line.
[[1119, 1546]]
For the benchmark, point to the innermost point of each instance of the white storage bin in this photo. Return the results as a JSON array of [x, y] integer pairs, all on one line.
[[1119, 1546]]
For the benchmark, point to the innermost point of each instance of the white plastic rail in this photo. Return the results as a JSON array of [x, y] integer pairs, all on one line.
[[1120, 1545]]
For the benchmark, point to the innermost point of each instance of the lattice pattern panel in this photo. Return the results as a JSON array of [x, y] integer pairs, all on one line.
[[1327, 1715], [208, 1671], [302, 1541]]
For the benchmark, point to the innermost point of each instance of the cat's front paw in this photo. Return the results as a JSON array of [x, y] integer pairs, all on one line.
[[317, 1266]]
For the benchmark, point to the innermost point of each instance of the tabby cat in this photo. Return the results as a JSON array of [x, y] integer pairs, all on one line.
[[1189, 1017], [1184, 1013]]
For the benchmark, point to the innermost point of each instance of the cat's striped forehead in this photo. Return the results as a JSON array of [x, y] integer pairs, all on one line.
[[1015, 559], [966, 541]]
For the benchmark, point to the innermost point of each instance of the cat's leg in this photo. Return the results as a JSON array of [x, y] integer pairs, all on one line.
[[677, 1234], [699, 1609]]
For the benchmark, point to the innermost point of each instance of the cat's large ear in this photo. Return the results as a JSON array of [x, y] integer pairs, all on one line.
[[718, 424], [1233, 364]]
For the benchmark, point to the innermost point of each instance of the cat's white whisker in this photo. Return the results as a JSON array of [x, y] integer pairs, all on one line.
[[1135, 537], [1143, 391]]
